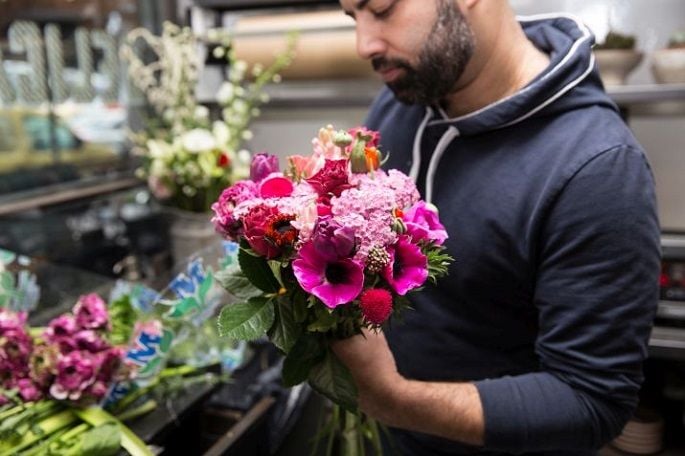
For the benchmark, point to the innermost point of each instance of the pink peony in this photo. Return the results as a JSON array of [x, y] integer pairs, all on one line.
[[256, 223], [224, 220], [91, 312], [332, 179], [75, 372], [408, 267], [422, 223], [334, 282], [262, 165]]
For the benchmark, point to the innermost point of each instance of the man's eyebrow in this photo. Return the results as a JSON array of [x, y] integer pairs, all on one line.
[[358, 6]]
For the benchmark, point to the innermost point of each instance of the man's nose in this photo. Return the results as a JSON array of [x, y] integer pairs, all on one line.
[[370, 42]]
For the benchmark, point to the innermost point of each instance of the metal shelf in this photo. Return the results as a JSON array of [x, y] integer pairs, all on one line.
[[646, 93]]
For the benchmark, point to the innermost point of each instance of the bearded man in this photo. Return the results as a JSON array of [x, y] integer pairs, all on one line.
[[535, 342]]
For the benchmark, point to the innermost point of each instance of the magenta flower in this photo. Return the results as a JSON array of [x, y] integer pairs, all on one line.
[[262, 165], [422, 222], [11, 320], [408, 267], [91, 312], [332, 179], [109, 362], [334, 282], [96, 391], [43, 363], [89, 340], [224, 220], [15, 344], [275, 185], [75, 373], [28, 390]]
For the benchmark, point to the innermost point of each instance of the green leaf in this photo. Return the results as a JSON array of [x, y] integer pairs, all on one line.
[[246, 320], [325, 321], [285, 331], [332, 379], [165, 343], [257, 270], [276, 267], [96, 416], [102, 440], [205, 286], [300, 307], [306, 353], [235, 282]]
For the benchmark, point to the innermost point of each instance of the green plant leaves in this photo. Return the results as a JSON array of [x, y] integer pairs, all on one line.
[[306, 352], [102, 440], [285, 330], [331, 378], [257, 270], [235, 282], [247, 320]]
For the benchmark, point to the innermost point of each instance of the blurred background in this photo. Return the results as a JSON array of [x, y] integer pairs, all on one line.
[[71, 195]]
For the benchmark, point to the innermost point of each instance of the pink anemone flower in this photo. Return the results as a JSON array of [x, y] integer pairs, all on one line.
[[333, 281], [408, 267]]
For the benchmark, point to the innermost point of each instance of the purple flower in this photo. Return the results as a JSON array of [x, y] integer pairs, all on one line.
[[422, 222], [96, 391], [408, 267], [90, 341], [223, 219], [28, 390], [332, 179], [75, 372], [109, 362], [91, 312], [334, 282], [15, 345], [11, 320], [262, 165], [60, 331], [332, 240]]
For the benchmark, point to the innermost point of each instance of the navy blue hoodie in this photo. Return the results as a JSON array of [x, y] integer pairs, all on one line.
[[550, 206]]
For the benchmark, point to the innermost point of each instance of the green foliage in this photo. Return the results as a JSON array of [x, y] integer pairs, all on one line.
[[247, 320], [438, 262], [332, 379], [305, 354], [285, 331], [677, 40], [123, 318], [235, 282], [616, 40], [257, 270]]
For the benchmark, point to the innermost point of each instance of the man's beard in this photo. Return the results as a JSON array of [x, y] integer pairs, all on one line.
[[442, 59]]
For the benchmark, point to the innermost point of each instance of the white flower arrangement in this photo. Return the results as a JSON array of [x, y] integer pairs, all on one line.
[[187, 158]]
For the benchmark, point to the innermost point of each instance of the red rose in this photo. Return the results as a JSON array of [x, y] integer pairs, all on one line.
[[332, 179], [256, 223]]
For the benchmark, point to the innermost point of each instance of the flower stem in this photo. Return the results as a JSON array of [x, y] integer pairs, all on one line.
[[45, 427], [146, 407], [335, 420], [350, 443]]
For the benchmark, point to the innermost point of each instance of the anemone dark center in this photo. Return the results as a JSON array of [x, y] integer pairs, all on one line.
[[336, 273]]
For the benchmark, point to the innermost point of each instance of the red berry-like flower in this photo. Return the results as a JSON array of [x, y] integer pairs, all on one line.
[[376, 305]]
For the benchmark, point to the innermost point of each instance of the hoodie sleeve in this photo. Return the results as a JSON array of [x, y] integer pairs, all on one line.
[[596, 294]]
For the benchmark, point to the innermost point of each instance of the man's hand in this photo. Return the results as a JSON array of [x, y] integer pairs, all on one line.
[[374, 371], [450, 410]]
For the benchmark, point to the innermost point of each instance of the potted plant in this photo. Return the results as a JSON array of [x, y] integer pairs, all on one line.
[[188, 159], [617, 57], [668, 65]]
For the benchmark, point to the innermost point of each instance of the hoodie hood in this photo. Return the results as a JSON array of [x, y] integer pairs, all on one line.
[[568, 43]]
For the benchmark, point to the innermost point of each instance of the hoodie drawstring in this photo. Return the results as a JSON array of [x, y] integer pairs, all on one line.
[[440, 149], [416, 153]]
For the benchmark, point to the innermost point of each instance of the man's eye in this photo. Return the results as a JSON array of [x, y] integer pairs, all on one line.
[[385, 12]]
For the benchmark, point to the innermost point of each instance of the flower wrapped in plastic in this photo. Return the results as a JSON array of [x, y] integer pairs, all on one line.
[[329, 246]]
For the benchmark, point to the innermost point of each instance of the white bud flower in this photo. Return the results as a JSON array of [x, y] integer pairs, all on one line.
[[247, 135], [277, 78], [219, 52], [244, 156]]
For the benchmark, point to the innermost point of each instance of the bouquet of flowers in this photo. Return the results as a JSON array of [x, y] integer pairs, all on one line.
[[328, 247], [187, 159]]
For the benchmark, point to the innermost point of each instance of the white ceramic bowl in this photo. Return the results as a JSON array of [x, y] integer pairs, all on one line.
[[668, 66], [616, 64]]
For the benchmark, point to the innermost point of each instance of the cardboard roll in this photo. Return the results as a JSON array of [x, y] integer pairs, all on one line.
[[325, 48]]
